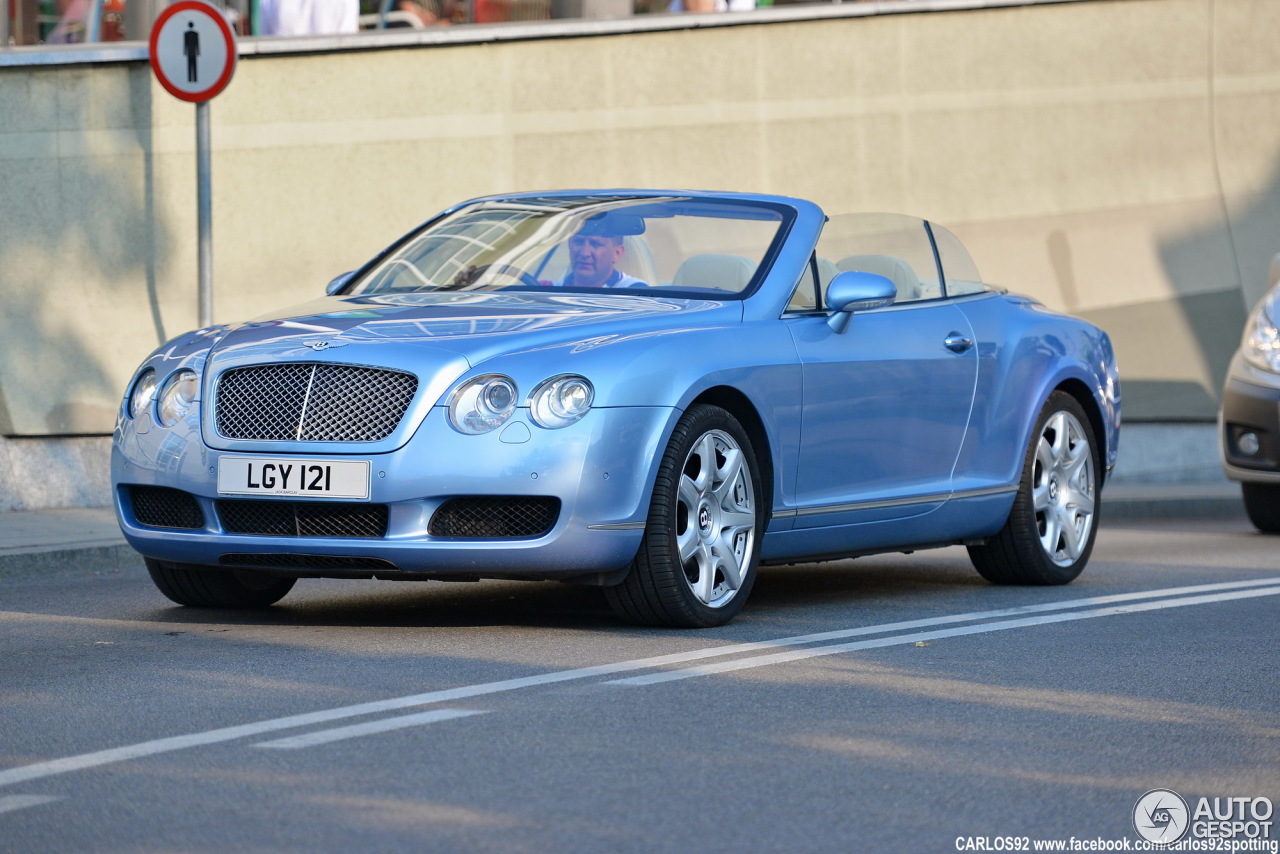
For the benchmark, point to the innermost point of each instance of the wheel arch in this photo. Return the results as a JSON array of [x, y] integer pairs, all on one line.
[[740, 407], [1080, 391]]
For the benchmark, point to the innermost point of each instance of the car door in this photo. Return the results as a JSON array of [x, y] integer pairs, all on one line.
[[887, 401]]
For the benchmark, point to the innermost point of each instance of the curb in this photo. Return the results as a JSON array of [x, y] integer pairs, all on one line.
[[1135, 501], [82, 560]]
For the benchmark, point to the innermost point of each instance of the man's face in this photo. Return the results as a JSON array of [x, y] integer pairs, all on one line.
[[592, 258]]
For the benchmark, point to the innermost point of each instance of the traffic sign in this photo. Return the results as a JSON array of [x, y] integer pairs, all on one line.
[[193, 50]]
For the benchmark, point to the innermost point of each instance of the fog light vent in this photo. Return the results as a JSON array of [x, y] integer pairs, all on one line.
[[164, 507], [495, 517]]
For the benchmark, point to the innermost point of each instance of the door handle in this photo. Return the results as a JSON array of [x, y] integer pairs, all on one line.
[[958, 343]]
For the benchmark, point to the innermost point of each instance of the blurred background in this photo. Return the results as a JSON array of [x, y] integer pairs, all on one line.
[[1116, 159]]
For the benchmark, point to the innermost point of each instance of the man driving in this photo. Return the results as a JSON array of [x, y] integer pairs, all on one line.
[[596, 249]]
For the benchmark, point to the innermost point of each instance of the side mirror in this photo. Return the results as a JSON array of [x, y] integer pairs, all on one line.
[[852, 291], [338, 283]]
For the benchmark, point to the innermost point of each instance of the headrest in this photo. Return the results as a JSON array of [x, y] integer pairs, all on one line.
[[894, 269], [723, 272]]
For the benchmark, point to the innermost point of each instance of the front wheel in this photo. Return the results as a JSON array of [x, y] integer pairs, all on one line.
[[1262, 503], [697, 562], [1050, 531], [215, 587]]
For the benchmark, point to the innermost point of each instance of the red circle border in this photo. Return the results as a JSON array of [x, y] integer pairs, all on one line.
[[230, 38]]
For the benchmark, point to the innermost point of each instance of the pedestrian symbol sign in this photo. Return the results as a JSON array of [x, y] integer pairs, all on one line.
[[193, 51]]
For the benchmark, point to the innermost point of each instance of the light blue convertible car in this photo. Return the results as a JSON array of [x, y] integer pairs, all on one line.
[[653, 392]]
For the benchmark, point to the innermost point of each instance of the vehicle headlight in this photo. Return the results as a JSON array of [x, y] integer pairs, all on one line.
[[178, 396], [482, 404], [1261, 344], [561, 401], [143, 394]]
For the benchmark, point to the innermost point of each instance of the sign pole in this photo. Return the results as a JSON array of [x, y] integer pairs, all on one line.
[[193, 54], [204, 215]]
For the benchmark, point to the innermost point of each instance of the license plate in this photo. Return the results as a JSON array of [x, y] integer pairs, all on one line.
[[309, 478]]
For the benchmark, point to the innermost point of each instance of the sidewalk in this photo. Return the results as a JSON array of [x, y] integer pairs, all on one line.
[[87, 539]]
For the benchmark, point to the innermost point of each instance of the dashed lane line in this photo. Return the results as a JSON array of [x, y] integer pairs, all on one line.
[[13, 803], [356, 730]]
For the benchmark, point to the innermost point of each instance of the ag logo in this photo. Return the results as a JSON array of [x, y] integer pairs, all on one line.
[[1161, 815]]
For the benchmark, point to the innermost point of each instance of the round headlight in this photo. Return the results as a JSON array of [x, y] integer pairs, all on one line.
[[1261, 345], [178, 396], [561, 401], [482, 404], [143, 394]]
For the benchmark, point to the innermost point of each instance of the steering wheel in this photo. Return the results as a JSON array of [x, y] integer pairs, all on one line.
[[471, 274]]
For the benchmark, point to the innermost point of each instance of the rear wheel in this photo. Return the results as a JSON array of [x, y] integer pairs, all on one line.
[[215, 587], [1050, 531], [1262, 503], [697, 562]]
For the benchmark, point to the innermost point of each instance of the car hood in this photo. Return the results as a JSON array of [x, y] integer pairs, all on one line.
[[406, 330]]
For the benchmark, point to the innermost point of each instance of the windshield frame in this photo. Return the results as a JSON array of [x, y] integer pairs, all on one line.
[[696, 204]]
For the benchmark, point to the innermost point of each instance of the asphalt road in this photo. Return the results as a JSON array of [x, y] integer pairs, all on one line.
[[930, 709]]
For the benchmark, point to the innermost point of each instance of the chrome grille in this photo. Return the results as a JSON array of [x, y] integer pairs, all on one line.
[[312, 402]]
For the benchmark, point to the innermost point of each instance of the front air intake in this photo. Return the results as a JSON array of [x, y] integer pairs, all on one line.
[[488, 517], [302, 518]]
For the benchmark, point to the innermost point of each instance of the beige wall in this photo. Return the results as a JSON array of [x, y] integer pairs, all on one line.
[[1115, 158]]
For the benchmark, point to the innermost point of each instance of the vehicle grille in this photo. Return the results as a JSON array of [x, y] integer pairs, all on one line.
[[163, 507], [302, 519], [317, 562], [312, 402], [494, 517]]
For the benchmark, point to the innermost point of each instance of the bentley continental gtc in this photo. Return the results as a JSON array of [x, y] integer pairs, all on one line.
[[651, 392]]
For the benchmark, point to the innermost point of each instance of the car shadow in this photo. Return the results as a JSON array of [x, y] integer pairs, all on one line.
[[797, 592]]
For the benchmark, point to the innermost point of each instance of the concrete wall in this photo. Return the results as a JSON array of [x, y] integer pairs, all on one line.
[[1115, 158], [67, 471]]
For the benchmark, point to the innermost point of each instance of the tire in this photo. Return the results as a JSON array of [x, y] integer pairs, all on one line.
[[1051, 529], [1262, 503], [214, 587], [697, 561]]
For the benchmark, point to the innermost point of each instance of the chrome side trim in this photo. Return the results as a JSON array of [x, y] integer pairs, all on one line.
[[618, 526], [895, 502]]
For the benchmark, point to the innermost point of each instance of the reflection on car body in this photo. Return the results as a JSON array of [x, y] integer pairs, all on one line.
[[748, 382]]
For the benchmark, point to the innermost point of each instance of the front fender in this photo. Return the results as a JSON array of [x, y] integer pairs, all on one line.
[[672, 369]]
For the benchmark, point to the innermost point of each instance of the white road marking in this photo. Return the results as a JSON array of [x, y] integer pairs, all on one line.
[[166, 745], [10, 803], [917, 637], [326, 736]]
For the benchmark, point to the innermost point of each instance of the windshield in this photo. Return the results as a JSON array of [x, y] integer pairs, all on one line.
[[709, 248]]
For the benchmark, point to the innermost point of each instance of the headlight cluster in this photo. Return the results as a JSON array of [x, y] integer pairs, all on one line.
[[1261, 344], [144, 393], [485, 403], [176, 397]]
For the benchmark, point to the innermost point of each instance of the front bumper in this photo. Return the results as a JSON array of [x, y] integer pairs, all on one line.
[[598, 472], [1250, 408]]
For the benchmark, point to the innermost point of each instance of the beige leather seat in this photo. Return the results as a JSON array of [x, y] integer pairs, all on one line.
[[723, 272], [894, 269]]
